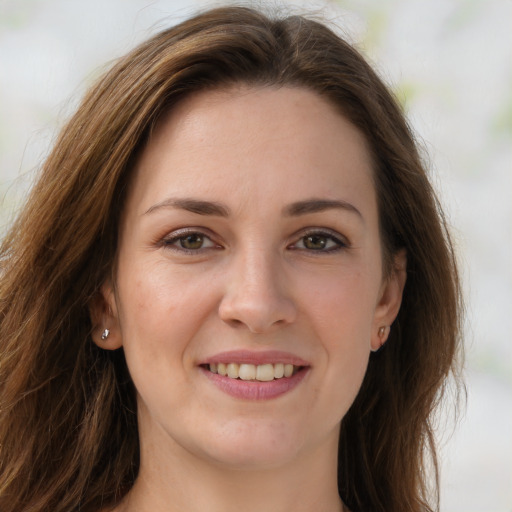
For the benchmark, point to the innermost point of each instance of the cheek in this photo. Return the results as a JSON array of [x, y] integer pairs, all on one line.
[[341, 312], [156, 315], [161, 308], [343, 302]]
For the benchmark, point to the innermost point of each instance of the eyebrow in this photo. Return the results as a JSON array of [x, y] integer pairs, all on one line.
[[319, 205], [192, 205], [202, 207]]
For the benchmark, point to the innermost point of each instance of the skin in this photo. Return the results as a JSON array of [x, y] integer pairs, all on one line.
[[256, 283]]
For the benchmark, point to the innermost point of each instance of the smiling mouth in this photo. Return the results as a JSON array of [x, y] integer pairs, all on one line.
[[260, 372]]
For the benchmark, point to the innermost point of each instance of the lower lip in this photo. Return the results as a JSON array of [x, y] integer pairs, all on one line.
[[253, 389]]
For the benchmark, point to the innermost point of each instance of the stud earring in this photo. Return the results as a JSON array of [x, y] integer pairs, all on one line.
[[105, 334], [383, 334]]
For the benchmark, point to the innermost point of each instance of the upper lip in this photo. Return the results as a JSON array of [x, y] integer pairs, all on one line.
[[256, 358]]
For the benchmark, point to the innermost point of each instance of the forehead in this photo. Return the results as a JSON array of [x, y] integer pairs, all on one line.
[[253, 144]]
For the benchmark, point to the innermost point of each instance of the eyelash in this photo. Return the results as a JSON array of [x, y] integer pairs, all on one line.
[[339, 244], [172, 241]]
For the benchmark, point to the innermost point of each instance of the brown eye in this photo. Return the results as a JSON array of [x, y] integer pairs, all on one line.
[[188, 242], [315, 242], [319, 241], [193, 241]]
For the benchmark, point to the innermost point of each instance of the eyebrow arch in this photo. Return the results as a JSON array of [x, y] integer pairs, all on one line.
[[192, 205], [319, 205]]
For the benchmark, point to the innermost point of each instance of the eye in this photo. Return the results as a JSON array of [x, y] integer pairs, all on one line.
[[319, 241], [188, 241]]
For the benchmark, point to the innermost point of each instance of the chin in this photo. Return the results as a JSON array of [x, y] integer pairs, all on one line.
[[252, 460], [255, 447]]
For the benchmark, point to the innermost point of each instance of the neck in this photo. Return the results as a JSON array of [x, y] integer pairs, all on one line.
[[173, 479]]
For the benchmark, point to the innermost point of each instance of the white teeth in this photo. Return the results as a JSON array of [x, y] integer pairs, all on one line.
[[221, 369], [233, 369], [265, 372], [247, 372], [261, 372]]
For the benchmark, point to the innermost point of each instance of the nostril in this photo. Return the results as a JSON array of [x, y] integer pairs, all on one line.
[[234, 322]]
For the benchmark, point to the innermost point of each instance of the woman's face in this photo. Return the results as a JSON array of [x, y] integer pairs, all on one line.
[[249, 242]]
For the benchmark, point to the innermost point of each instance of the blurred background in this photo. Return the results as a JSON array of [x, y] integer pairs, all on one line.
[[450, 64]]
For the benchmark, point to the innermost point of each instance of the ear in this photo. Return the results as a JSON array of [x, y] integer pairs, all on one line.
[[106, 332], [390, 298]]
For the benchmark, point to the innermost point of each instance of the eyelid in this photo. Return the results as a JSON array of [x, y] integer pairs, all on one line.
[[170, 240], [341, 241]]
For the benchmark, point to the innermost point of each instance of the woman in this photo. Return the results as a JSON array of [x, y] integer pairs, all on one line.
[[232, 286]]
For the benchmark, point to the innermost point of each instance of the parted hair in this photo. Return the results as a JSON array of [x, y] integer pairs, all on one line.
[[68, 423]]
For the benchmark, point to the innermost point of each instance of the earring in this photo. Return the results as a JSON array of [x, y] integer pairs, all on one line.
[[105, 334], [383, 334]]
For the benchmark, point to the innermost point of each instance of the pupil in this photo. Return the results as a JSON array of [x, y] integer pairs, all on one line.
[[194, 241], [315, 242]]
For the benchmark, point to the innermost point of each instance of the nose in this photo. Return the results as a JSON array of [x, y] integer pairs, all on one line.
[[255, 295]]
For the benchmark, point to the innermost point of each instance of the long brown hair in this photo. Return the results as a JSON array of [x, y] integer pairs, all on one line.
[[68, 427]]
